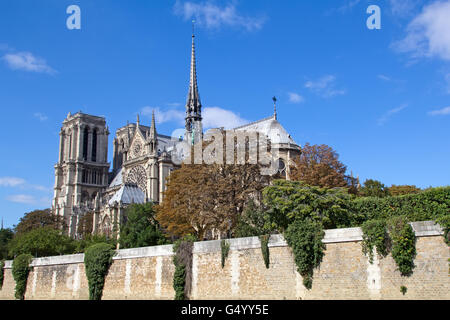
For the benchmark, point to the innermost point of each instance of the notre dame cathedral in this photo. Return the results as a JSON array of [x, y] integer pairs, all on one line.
[[141, 162]]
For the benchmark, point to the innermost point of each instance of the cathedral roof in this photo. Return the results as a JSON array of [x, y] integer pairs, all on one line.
[[128, 194], [272, 128], [117, 181]]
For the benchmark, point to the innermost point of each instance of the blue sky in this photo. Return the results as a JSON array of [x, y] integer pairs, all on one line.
[[380, 98]]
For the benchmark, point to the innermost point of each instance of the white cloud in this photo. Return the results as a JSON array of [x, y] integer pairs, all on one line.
[[428, 33], [295, 97], [213, 16], [441, 112], [28, 62], [382, 120], [215, 117], [40, 116], [325, 86], [162, 116], [384, 77], [11, 181], [21, 183], [22, 198]]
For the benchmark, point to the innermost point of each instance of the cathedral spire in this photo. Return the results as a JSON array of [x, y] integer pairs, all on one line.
[[193, 105], [153, 127]]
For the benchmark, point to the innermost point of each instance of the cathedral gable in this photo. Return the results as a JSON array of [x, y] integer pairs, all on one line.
[[137, 146]]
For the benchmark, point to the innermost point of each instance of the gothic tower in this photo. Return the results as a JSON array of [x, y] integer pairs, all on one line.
[[193, 118], [81, 173]]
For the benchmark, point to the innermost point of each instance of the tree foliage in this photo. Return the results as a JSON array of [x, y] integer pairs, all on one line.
[[318, 165], [38, 219], [291, 200], [42, 242], [141, 228], [203, 198], [374, 188], [6, 236], [88, 240], [402, 190], [97, 260], [254, 221]]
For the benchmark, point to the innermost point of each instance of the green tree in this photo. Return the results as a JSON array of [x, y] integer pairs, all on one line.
[[291, 200], [41, 242], [141, 228], [38, 219], [252, 222], [374, 188], [6, 236]]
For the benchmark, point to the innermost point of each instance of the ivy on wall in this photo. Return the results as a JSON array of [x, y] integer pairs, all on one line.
[[305, 239], [20, 270], [97, 260], [375, 235], [225, 249], [395, 235], [403, 244], [265, 249]]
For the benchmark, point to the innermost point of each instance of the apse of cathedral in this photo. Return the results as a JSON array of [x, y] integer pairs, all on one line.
[[142, 160]]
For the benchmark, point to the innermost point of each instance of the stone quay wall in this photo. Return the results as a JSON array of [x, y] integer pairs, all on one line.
[[345, 272]]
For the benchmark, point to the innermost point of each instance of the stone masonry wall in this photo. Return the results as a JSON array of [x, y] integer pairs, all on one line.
[[345, 273]]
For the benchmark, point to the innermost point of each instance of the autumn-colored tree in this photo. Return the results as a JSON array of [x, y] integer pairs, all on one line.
[[403, 189], [38, 219], [318, 165], [205, 198]]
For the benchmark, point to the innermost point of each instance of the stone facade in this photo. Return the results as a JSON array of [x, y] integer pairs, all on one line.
[[345, 273]]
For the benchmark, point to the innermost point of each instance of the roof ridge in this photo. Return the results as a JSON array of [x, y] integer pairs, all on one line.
[[255, 122]]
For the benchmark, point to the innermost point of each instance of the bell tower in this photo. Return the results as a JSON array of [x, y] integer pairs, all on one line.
[[81, 174]]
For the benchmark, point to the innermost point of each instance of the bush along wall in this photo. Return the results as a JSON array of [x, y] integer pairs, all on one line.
[[20, 270], [182, 260], [305, 239], [2, 272], [97, 260]]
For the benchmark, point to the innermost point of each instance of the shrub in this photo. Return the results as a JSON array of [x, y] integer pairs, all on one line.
[[305, 239], [375, 235], [97, 260], [20, 271]]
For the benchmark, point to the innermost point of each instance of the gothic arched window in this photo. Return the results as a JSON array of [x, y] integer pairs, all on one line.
[[85, 143], [94, 146]]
